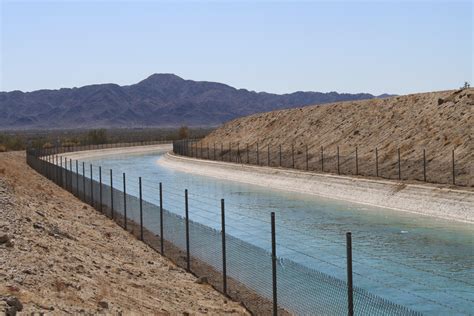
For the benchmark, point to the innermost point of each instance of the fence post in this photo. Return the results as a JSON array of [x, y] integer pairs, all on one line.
[[222, 152], [248, 154], [274, 261], [424, 165], [338, 165], [357, 162], [230, 152], [322, 159], [350, 291], [307, 165], [70, 180], [61, 171], [186, 212], [268, 155], [258, 160], [280, 155], [124, 203], [162, 248], [239, 160], [92, 188], [77, 178], [224, 257], [214, 151], [84, 181], [376, 162], [293, 156], [111, 194], [399, 168], [208, 157], [454, 174], [141, 207], [100, 190]]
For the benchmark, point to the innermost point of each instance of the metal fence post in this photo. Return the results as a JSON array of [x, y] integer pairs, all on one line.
[[357, 162], [274, 266], [350, 291], [293, 156], [186, 212], [124, 203], [84, 181], [424, 165], [77, 178], [322, 159], [258, 160], [111, 195], [376, 162], [162, 248], [338, 165], [307, 164], [61, 171], [268, 155], [399, 168], [100, 190], [224, 257], [280, 155], [141, 207], [454, 173], [214, 151], [230, 152], [70, 179], [222, 152], [248, 154], [92, 188]]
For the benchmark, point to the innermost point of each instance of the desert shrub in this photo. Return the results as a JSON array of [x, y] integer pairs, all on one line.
[[183, 132], [3, 148]]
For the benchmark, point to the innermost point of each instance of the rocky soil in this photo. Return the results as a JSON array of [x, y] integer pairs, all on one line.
[[437, 122], [60, 256]]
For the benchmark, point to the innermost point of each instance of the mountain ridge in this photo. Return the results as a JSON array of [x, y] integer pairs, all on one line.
[[160, 100]]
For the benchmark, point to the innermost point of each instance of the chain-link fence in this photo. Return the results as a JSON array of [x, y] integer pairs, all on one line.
[[260, 279], [418, 165]]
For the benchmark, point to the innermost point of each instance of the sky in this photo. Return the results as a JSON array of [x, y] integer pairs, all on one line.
[[346, 46]]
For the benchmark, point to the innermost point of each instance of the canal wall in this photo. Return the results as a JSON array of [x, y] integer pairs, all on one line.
[[430, 200]]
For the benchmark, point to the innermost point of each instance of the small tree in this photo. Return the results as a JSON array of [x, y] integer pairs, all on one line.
[[183, 132], [466, 85]]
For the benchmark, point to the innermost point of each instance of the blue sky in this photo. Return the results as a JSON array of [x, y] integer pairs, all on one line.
[[346, 46]]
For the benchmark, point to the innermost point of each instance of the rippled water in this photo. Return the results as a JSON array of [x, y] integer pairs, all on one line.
[[416, 261]]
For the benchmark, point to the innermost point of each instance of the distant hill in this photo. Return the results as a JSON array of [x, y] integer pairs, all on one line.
[[161, 100]]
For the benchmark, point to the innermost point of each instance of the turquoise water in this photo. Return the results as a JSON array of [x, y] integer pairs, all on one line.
[[417, 261]]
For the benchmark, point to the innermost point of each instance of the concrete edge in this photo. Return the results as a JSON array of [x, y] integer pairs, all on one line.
[[439, 202]]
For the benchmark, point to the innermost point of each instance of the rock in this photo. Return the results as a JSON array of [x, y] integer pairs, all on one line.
[[440, 101], [201, 280], [38, 226], [103, 304], [14, 302], [39, 213], [4, 239]]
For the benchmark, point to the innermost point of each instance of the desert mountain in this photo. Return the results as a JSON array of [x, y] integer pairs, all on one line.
[[161, 100]]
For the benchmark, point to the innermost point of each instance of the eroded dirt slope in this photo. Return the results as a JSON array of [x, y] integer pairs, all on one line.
[[438, 122]]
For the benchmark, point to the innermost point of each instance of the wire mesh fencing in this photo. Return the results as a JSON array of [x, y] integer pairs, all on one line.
[[400, 164], [168, 221]]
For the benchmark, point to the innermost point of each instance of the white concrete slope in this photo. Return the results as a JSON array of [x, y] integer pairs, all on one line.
[[445, 203]]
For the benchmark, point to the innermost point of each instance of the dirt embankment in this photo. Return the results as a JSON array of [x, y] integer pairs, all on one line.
[[438, 122], [59, 256]]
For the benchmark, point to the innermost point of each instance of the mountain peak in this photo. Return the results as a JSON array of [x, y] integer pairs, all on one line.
[[162, 78]]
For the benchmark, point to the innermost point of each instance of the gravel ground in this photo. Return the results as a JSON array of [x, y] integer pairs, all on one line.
[[59, 256]]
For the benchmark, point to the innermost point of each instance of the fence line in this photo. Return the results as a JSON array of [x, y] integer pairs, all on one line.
[[235, 267], [372, 162]]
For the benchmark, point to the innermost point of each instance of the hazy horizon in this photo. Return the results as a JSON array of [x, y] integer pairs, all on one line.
[[349, 47]]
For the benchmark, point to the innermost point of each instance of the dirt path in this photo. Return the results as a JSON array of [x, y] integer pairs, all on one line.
[[59, 256]]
